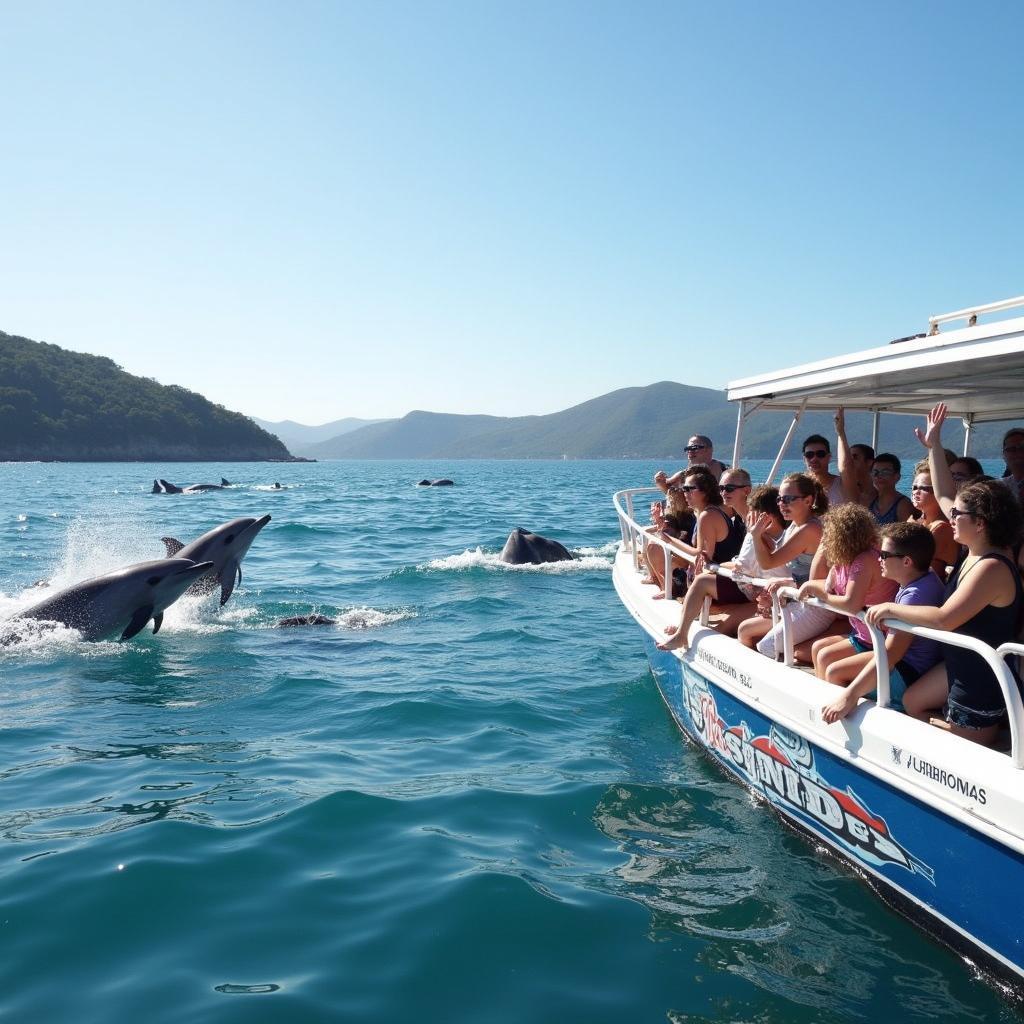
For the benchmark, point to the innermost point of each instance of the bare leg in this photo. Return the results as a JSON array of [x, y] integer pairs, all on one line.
[[986, 736], [734, 616], [802, 652], [705, 585], [928, 694], [826, 650], [752, 630], [845, 670]]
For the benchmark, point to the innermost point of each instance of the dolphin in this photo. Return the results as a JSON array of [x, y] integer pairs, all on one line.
[[121, 602], [522, 547], [223, 549], [168, 488]]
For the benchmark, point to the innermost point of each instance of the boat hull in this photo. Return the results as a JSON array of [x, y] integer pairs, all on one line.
[[958, 884]]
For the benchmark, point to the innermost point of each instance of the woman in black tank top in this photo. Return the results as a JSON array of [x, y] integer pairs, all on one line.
[[984, 599]]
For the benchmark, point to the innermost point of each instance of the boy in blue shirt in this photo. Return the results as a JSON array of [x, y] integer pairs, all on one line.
[[906, 555]]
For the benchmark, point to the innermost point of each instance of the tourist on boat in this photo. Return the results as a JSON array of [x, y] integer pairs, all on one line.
[[801, 502], [854, 464], [676, 522], [736, 600], [984, 599], [889, 505], [1013, 453], [928, 513], [906, 556], [717, 536], [699, 452], [736, 489], [817, 455], [965, 468], [855, 580]]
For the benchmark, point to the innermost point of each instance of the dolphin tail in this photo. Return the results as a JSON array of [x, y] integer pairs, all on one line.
[[224, 482], [169, 488], [173, 546], [139, 620], [158, 621]]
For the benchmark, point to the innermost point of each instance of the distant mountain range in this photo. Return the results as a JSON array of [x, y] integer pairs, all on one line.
[[632, 423], [296, 435]]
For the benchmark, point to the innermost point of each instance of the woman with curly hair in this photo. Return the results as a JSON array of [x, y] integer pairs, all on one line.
[[850, 540], [983, 600]]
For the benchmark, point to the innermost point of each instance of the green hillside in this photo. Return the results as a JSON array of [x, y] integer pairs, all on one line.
[[69, 406]]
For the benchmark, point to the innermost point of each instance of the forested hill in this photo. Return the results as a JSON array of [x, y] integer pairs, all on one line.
[[69, 406]]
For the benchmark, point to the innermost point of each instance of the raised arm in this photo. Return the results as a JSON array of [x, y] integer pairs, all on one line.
[[847, 470], [931, 438], [799, 543]]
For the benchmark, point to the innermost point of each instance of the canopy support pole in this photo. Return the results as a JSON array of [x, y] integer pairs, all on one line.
[[968, 421], [737, 445], [875, 421], [785, 442]]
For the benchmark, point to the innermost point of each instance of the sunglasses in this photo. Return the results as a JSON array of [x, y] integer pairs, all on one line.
[[729, 488], [883, 472], [923, 487], [788, 499], [815, 453], [695, 448], [883, 555], [686, 488], [955, 513], [1013, 449]]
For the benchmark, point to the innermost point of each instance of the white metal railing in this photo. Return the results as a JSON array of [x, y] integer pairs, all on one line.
[[972, 313], [996, 659]]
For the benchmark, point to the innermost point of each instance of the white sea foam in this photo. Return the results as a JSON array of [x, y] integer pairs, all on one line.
[[587, 561], [371, 618]]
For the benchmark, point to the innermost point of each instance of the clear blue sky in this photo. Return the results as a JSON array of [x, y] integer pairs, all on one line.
[[316, 210]]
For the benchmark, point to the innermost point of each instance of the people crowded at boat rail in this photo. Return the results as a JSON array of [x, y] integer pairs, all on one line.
[[801, 503], [983, 599], [855, 580], [736, 599], [905, 557]]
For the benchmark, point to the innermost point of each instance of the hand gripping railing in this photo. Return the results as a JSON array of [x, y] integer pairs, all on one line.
[[994, 658]]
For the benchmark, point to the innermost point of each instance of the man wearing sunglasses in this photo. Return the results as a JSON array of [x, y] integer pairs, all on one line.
[[817, 454], [699, 452]]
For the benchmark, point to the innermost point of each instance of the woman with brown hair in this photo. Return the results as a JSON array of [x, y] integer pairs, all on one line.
[[922, 496]]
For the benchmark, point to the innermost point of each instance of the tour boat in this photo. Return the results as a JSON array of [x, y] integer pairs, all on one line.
[[933, 821]]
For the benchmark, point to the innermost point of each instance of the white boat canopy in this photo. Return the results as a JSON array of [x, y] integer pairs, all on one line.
[[977, 370]]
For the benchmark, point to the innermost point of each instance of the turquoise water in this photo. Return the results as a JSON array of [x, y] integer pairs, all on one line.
[[465, 802]]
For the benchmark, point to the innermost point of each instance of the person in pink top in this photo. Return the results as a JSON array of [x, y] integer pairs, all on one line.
[[855, 581]]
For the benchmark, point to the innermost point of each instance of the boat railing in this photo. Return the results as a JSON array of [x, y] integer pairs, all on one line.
[[784, 599], [972, 313]]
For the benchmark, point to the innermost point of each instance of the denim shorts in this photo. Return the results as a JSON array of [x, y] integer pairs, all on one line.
[[969, 718]]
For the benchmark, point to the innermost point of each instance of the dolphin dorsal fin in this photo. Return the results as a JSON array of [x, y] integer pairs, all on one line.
[[169, 488], [173, 546], [224, 482]]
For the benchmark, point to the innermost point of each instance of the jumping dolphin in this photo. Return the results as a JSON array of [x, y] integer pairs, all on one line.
[[524, 547], [163, 487], [223, 549], [121, 602]]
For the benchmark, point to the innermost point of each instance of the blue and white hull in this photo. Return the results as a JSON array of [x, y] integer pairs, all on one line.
[[932, 820]]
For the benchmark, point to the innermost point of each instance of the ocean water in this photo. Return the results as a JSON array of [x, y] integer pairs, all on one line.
[[465, 802]]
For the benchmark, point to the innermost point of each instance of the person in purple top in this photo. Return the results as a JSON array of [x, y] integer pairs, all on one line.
[[906, 555]]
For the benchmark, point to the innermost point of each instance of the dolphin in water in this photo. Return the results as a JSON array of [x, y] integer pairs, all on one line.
[[163, 487], [223, 549], [120, 603], [522, 547]]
